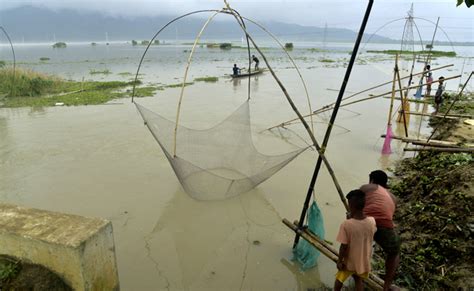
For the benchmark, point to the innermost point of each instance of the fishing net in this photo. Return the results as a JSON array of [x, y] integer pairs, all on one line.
[[304, 253], [218, 162]]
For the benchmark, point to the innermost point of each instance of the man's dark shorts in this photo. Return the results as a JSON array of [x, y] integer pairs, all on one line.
[[388, 239]]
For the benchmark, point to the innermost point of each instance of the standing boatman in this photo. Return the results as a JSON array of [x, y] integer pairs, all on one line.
[[255, 59]]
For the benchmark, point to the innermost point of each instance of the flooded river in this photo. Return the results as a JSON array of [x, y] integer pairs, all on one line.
[[101, 161]]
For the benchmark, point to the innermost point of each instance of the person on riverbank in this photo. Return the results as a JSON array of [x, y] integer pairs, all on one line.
[[381, 204], [356, 236], [429, 80], [236, 70], [255, 59], [439, 93]]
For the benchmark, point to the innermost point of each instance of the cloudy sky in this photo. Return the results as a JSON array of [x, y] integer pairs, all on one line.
[[457, 22]]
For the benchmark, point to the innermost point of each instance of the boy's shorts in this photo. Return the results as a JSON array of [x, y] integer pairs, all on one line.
[[342, 275], [388, 239]]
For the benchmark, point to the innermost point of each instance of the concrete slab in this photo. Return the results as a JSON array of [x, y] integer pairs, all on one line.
[[79, 249]]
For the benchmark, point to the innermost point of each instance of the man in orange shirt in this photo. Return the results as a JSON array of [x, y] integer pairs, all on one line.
[[380, 204]]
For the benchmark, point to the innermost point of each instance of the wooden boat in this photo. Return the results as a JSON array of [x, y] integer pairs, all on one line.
[[248, 74]]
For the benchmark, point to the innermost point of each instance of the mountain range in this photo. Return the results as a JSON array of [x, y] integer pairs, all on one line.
[[35, 24]]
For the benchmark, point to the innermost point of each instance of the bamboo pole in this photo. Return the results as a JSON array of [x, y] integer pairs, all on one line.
[[440, 149], [430, 142], [373, 281], [456, 116], [357, 101], [178, 109], [333, 119], [403, 101], [383, 84], [389, 123], [295, 109]]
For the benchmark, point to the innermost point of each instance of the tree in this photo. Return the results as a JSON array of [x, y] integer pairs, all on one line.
[[469, 3]]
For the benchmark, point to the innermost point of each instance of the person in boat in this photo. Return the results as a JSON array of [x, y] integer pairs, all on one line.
[[255, 59], [381, 204], [356, 235], [429, 80], [236, 70], [439, 93]]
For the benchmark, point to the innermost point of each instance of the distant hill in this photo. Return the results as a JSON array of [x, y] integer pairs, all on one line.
[[33, 24]]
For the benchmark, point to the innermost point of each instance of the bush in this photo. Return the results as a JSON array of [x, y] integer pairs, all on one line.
[[145, 42], [134, 42], [225, 46], [44, 59], [156, 42], [289, 45], [60, 45]]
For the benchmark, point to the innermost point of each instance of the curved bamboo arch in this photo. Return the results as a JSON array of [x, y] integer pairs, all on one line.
[[190, 57], [241, 22], [12, 89]]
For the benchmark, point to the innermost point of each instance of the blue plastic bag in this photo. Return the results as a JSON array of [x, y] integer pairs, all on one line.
[[306, 254]]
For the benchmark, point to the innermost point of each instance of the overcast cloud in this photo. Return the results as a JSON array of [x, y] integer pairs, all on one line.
[[458, 22]]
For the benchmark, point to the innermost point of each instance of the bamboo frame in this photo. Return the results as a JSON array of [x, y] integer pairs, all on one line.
[[295, 109], [223, 11], [440, 143], [440, 149], [359, 100], [178, 110]]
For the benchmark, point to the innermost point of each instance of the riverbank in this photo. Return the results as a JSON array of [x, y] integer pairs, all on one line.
[[434, 212]]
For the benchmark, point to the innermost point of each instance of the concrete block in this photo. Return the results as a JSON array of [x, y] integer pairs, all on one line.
[[79, 249]]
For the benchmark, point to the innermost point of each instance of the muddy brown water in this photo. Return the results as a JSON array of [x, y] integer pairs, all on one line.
[[101, 161]]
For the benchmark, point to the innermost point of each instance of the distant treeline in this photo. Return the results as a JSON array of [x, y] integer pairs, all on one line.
[[433, 53]]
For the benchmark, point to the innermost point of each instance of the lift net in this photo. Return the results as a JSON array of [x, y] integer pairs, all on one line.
[[218, 162]]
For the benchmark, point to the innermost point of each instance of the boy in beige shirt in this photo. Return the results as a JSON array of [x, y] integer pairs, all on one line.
[[356, 235]]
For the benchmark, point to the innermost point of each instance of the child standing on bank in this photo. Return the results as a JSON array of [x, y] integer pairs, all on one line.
[[356, 235]]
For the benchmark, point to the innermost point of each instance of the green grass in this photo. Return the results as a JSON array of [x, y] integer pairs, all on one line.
[[145, 91], [37, 90], [177, 85], [326, 60], [207, 79], [124, 74], [433, 53], [97, 72]]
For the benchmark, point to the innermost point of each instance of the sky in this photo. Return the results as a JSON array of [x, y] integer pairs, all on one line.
[[456, 22]]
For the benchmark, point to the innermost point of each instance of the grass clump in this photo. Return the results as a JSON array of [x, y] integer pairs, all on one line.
[[60, 45], [207, 79], [98, 72], [324, 60], [146, 91], [177, 85]]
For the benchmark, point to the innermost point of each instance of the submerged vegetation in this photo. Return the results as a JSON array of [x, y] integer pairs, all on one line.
[[207, 79], [433, 53], [103, 72]]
